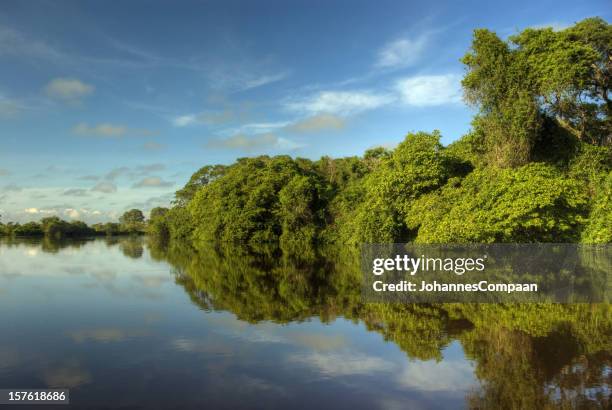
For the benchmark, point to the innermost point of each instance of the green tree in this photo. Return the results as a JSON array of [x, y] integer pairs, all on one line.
[[243, 205], [200, 178], [132, 221], [497, 83], [537, 74], [157, 224], [417, 166], [299, 210], [53, 226], [28, 229]]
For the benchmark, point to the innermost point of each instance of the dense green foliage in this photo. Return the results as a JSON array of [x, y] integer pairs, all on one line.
[[420, 191], [156, 225], [132, 222], [537, 75], [535, 168], [52, 227], [533, 203], [259, 199]]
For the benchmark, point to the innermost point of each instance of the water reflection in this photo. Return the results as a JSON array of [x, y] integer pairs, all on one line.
[[66, 375], [114, 319], [131, 247], [526, 356]]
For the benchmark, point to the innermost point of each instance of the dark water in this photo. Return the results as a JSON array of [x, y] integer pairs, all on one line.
[[129, 323]]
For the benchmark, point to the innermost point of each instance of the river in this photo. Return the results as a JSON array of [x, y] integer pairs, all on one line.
[[133, 323]]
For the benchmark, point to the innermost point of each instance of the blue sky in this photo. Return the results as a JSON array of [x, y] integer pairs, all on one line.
[[106, 106]]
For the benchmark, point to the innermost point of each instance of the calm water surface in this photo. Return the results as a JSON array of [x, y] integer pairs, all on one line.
[[126, 324]]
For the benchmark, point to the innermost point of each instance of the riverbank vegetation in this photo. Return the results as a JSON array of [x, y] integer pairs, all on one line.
[[536, 166], [131, 222]]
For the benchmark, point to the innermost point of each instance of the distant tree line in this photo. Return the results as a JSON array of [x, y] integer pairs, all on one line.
[[131, 222]]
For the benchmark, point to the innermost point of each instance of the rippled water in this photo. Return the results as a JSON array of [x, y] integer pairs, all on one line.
[[125, 324]]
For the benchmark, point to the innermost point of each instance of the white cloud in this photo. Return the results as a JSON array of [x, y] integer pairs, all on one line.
[[100, 130], [320, 342], [104, 335], [402, 52], [143, 169], [438, 376], [317, 123], [152, 146], [13, 42], [152, 182], [72, 213], [10, 108], [242, 75], [254, 128], [343, 364], [108, 130], [250, 143], [221, 116], [68, 89], [263, 80], [260, 127], [89, 177], [162, 200], [75, 192], [184, 120], [117, 172], [213, 117], [134, 172], [285, 144], [430, 90], [39, 211], [69, 376], [12, 188], [340, 102], [242, 141], [105, 187]]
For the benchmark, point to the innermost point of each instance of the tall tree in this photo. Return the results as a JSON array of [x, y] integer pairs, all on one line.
[[132, 221], [200, 178], [536, 74]]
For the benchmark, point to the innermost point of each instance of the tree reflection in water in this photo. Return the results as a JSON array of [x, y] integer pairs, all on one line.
[[527, 355]]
